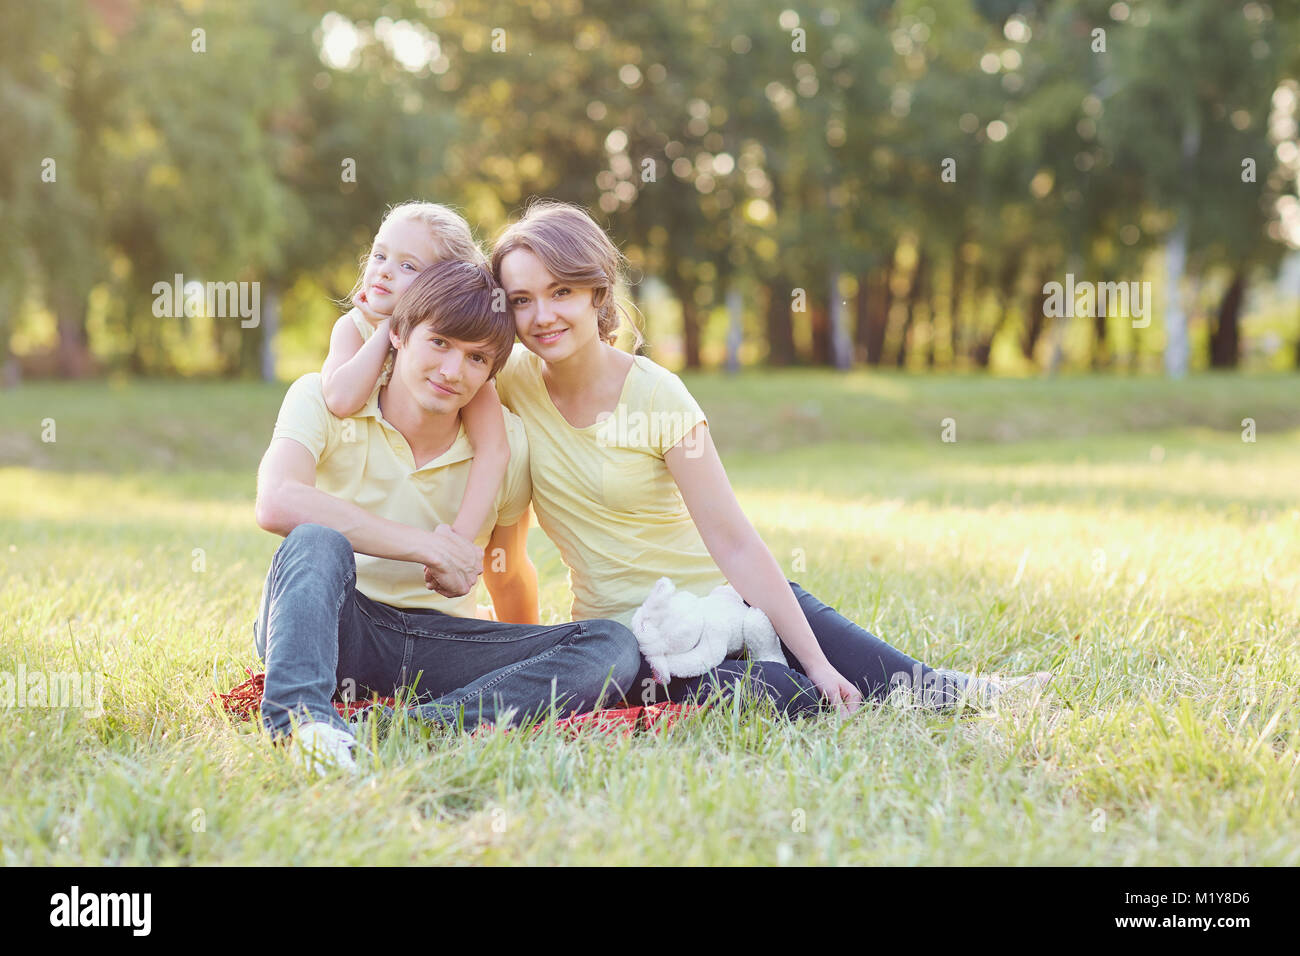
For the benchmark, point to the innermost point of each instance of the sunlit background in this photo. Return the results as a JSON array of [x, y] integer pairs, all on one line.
[[873, 183]]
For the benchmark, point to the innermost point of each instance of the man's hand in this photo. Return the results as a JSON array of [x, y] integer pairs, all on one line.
[[453, 564]]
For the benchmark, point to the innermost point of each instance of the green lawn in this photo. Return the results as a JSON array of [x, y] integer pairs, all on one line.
[[1118, 532]]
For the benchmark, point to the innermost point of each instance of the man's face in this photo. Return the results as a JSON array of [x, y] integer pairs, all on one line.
[[442, 374]]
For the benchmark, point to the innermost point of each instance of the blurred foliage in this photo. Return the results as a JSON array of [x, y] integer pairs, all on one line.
[[914, 171]]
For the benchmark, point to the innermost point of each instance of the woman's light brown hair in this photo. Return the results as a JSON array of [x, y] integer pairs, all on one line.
[[575, 250]]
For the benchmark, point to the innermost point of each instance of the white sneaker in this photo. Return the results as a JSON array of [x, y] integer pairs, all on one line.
[[1024, 690], [986, 693], [323, 748], [978, 692]]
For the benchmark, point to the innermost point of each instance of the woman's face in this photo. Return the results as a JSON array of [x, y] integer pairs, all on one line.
[[553, 319]]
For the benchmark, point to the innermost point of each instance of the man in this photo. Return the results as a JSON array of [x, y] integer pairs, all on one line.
[[365, 505]]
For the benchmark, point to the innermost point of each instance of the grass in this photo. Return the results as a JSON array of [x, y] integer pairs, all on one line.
[[1118, 532]]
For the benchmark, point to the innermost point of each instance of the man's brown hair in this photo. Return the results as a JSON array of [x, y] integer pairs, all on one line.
[[461, 300]]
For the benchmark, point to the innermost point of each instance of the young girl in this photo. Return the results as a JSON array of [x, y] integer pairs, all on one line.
[[644, 495], [413, 237]]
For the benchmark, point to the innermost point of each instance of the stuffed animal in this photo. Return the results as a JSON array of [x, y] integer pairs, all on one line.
[[684, 635]]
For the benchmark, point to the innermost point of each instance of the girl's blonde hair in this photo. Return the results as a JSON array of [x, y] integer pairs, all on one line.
[[575, 250], [448, 231]]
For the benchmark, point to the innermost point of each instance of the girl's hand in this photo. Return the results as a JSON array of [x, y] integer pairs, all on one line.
[[840, 692], [363, 306]]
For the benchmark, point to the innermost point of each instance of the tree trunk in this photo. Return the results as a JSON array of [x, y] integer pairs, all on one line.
[[956, 335], [841, 347], [1034, 318], [933, 316], [735, 329], [819, 316], [862, 318], [780, 328], [683, 285], [980, 346], [874, 302], [690, 329], [1037, 319], [12, 374], [1176, 347], [1100, 356], [684, 291], [1297, 352], [270, 321], [1226, 337], [913, 297], [72, 354]]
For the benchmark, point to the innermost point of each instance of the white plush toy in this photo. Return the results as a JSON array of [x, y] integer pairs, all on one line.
[[683, 635]]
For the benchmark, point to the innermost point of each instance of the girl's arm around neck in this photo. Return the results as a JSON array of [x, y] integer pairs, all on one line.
[[352, 367], [485, 426]]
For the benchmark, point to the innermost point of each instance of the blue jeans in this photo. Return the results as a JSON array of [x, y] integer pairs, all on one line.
[[873, 666], [318, 634]]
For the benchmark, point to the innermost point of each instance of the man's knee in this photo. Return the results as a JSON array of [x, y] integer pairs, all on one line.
[[317, 539], [312, 555], [619, 655], [319, 547]]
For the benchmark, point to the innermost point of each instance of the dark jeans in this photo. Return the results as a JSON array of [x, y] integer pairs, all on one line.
[[318, 634], [873, 666]]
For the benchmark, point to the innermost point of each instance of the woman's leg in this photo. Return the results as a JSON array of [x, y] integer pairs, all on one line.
[[792, 692], [872, 665]]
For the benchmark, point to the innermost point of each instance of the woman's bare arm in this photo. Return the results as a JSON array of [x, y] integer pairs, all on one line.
[[745, 560]]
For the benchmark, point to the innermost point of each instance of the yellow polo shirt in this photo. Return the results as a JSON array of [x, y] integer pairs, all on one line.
[[604, 494], [365, 460]]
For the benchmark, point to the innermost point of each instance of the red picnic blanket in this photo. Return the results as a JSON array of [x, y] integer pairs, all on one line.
[[244, 700]]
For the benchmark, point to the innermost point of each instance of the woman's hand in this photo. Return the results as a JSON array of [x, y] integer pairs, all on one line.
[[840, 692]]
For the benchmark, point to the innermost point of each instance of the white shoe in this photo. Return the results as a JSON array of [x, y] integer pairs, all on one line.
[[1024, 690], [986, 693], [977, 692], [323, 748]]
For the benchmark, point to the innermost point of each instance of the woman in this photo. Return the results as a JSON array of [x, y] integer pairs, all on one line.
[[628, 484]]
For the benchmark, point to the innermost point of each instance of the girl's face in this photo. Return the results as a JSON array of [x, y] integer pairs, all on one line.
[[553, 319], [401, 251]]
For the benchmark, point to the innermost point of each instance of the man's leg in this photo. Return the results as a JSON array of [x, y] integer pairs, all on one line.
[[309, 612], [498, 672]]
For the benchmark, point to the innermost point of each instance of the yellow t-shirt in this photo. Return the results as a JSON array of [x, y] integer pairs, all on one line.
[[365, 460], [603, 493]]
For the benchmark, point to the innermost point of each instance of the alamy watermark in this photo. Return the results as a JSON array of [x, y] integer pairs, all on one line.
[[82, 690], [220, 300], [623, 428], [1092, 299], [75, 908]]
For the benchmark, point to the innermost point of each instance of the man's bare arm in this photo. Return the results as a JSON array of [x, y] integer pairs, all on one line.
[[287, 496]]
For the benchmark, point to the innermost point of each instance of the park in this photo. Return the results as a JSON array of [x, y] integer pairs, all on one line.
[[997, 345]]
